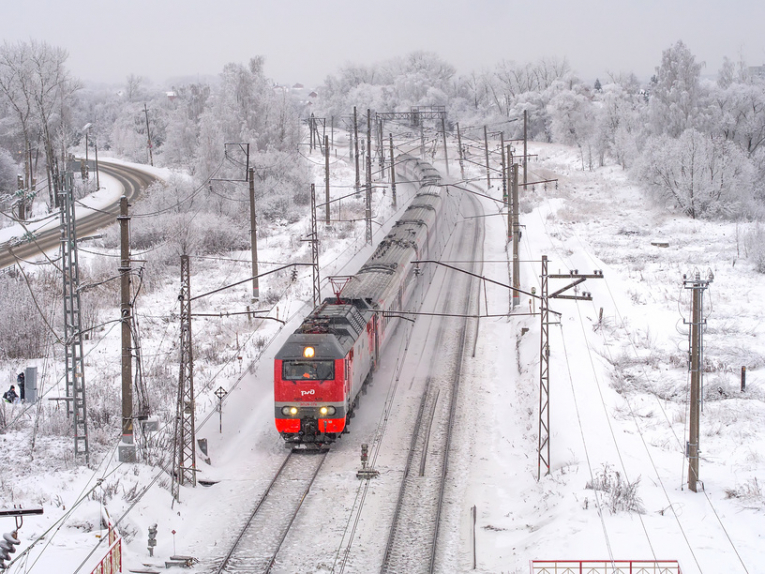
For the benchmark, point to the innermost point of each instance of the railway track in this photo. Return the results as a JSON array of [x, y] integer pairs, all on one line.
[[412, 545], [133, 182], [256, 548]]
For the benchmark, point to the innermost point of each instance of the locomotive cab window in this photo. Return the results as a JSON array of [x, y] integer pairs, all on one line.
[[308, 370]]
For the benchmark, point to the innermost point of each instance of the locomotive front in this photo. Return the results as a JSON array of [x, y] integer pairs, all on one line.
[[310, 383]]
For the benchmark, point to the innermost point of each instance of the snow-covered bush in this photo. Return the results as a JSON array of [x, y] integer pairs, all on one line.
[[755, 247], [702, 176], [618, 493], [23, 315]]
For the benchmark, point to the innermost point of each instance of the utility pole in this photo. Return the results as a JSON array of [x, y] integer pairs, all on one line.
[[127, 446], [98, 181], [486, 149], [516, 232], [509, 206], [698, 286], [543, 449], [87, 133], [253, 237], [315, 250], [422, 139], [525, 154], [544, 351], [505, 171], [392, 171], [326, 179], [184, 445], [356, 144], [368, 213], [75, 373], [380, 144], [446, 153], [148, 134], [459, 145]]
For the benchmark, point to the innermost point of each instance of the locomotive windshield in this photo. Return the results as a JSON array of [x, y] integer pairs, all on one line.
[[308, 370]]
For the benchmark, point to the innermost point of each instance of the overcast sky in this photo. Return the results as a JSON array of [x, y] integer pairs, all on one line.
[[304, 41]]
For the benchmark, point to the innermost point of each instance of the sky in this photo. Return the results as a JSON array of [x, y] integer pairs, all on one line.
[[304, 41]]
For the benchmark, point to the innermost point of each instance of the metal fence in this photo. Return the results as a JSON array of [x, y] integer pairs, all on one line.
[[605, 567], [112, 562]]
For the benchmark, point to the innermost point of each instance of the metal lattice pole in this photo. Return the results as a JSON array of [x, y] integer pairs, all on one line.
[[75, 375], [315, 250], [368, 209], [544, 378], [184, 463]]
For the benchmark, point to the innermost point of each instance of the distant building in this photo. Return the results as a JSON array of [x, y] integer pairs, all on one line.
[[171, 95], [298, 87], [313, 95]]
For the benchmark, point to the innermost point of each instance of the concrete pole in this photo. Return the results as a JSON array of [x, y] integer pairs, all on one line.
[[516, 232], [326, 178], [446, 152], [693, 439], [505, 168], [253, 237], [459, 145], [392, 171], [126, 454], [486, 149], [525, 150]]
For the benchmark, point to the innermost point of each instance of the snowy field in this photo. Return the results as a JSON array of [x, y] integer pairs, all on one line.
[[618, 404]]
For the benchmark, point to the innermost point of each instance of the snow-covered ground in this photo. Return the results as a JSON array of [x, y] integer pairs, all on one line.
[[618, 405]]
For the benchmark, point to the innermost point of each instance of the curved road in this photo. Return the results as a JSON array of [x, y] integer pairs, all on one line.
[[133, 181]]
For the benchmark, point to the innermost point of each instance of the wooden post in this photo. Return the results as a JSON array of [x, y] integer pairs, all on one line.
[[743, 379]]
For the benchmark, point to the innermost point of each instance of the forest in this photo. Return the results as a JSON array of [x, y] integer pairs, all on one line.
[[692, 143]]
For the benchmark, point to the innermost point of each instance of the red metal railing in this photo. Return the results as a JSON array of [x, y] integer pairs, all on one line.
[[605, 567], [112, 562]]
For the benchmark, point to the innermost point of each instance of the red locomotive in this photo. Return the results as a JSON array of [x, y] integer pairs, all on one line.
[[324, 364]]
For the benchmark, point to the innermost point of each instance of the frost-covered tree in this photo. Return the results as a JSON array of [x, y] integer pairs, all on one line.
[[572, 121], [702, 176], [37, 87], [676, 93]]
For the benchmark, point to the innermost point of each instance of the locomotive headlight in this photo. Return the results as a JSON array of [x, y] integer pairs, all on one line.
[[331, 410], [324, 410], [309, 352], [289, 411]]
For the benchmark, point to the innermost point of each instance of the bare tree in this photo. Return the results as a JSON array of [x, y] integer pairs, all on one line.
[[38, 88]]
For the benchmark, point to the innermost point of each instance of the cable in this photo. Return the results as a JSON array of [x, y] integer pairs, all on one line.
[[189, 197]]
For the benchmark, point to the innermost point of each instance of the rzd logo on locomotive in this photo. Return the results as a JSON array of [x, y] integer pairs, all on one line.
[[311, 392]]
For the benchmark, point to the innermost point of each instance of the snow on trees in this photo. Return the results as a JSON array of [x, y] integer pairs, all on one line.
[[675, 95], [702, 176]]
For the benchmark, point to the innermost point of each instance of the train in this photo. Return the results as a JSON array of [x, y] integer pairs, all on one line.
[[324, 365]]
